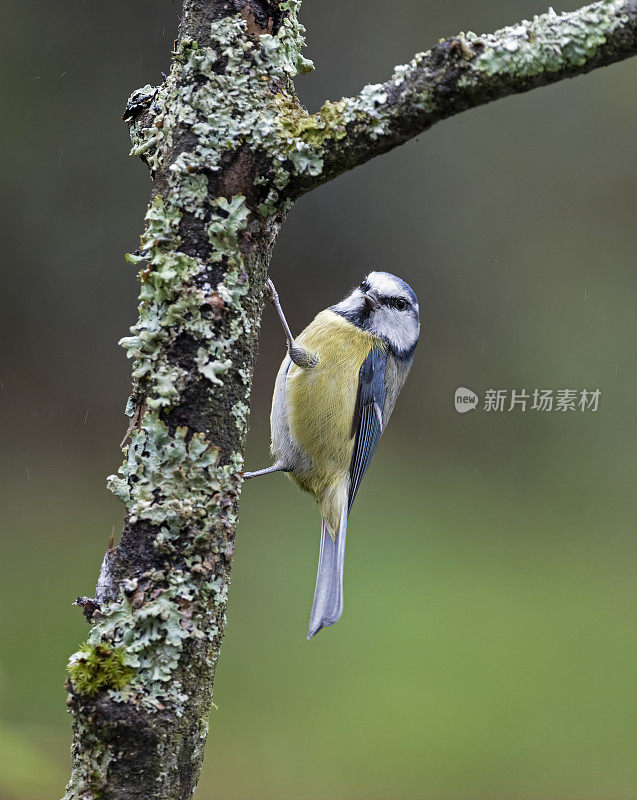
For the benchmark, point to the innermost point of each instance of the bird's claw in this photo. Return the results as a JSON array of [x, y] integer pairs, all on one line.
[[270, 292], [302, 357]]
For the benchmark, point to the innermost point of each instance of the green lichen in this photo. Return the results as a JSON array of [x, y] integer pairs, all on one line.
[[222, 107], [240, 411], [174, 480], [149, 623], [550, 42], [144, 139], [211, 368], [296, 124], [172, 301], [177, 484], [192, 195], [168, 480], [285, 48], [304, 136], [224, 229], [97, 667], [166, 294]]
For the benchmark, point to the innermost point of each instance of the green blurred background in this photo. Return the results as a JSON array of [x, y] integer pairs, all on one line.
[[487, 648]]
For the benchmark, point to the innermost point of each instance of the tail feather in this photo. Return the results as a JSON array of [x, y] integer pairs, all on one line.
[[328, 594]]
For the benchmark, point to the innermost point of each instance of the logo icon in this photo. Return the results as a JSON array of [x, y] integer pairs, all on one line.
[[465, 400]]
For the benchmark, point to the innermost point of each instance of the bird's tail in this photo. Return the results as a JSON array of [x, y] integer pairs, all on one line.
[[328, 594]]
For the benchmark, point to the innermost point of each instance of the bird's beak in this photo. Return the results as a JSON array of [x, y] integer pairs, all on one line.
[[372, 300]]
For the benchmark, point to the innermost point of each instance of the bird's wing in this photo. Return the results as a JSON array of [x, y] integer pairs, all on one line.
[[367, 424]]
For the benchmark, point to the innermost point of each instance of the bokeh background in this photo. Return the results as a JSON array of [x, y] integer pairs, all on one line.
[[487, 648]]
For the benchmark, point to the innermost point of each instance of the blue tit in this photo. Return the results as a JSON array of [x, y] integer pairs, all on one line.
[[333, 397]]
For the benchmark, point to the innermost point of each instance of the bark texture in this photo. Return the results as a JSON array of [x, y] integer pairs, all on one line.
[[229, 148]]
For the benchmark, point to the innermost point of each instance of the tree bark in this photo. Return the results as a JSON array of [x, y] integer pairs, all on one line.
[[229, 148]]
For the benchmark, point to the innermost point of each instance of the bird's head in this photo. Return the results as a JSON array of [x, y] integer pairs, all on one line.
[[387, 307]]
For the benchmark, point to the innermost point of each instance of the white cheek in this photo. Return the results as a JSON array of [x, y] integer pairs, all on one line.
[[383, 323], [398, 327]]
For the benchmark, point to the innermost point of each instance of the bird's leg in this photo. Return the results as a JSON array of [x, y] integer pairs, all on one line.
[[298, 354], [273, 296], [274, 468]]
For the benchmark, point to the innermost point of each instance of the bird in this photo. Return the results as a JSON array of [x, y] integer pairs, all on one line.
[[333, 396]]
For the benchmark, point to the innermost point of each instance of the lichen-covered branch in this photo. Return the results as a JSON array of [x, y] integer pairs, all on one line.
[[229, 147], [140, 687], [460, 73]]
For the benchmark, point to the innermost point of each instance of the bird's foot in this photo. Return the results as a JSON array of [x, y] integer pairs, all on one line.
[[271, 294], [302, 357]]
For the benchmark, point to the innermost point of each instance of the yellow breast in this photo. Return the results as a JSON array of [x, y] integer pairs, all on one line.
[[321, 400]]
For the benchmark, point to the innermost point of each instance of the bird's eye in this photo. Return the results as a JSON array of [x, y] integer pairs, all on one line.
[[401, 304]]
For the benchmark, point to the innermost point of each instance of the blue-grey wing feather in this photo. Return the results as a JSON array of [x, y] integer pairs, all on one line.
[[368, 416]]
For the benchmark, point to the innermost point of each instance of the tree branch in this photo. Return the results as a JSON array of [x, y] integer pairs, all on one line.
[[461, 73]]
